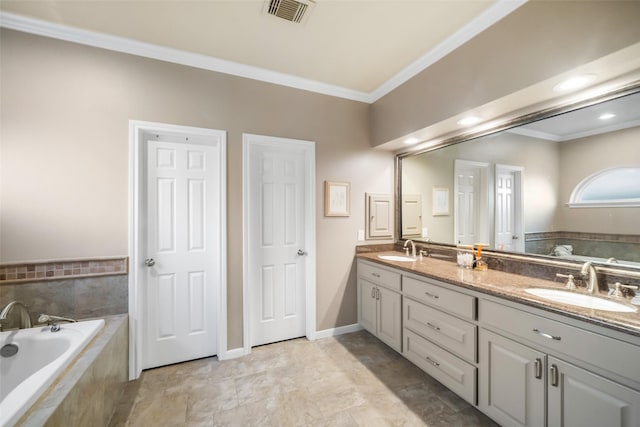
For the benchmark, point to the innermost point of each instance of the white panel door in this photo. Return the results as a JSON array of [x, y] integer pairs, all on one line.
[[509, 227], [471, 203], [277, 251], [183, 249], [505, 206], [467, 202]]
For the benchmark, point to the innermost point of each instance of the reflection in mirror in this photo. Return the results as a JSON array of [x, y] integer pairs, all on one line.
[[516, 190]]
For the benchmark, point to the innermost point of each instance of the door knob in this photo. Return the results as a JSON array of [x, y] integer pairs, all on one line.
[[301, 252], [149, 262]]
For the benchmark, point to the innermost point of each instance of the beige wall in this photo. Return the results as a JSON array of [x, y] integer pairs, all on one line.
[[539, 40], [65, 117], [583, 157]]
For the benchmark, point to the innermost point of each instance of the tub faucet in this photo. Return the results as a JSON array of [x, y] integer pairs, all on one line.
[[52, 321], [413, 247], [25, 318], [589, 271]]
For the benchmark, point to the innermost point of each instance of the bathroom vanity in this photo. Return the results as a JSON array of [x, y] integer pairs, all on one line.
[[521, 359]]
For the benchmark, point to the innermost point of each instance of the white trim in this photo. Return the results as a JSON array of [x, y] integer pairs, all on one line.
[[137, 129], [310, 232], [232, 354], [523, 130], [332, 332], [147, 50]]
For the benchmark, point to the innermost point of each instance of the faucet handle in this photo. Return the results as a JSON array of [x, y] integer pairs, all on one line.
[[618, 292], [570, 283]]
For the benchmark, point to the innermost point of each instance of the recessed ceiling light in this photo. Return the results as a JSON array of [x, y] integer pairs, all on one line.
[[468, 121], [607, 116], [411, 141], [575, 82]]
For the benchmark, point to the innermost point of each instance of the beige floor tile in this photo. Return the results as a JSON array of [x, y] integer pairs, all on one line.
[[161, 411], [349, 380]]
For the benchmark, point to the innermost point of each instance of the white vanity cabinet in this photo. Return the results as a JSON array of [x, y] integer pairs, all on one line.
[[439, 333], [380, 303], [524, 381]]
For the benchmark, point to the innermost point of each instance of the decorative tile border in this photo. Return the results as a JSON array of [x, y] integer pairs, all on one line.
[[546, 235], [62, 269]]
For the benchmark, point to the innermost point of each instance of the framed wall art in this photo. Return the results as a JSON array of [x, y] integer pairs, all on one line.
[[336, 198]]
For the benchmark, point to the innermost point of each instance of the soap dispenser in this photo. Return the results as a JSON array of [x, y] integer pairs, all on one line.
[[479, 264]]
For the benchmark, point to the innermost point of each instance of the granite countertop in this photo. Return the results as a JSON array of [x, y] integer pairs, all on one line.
[[511, 286]]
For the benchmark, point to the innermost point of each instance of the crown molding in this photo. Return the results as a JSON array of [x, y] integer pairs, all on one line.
[[121, 44], [176, 56]]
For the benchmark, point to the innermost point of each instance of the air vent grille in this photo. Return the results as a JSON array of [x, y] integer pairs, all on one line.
[[291, 10]]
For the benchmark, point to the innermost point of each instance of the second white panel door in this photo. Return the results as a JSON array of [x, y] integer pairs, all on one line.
[[277, 252]]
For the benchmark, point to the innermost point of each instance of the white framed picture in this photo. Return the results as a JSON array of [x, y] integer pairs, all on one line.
[[440, 201], [336, 198]]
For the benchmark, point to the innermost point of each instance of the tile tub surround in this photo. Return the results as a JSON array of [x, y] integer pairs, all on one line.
[[78, 298], [62, 269], [349, 380], [511, 286], [89, 390]]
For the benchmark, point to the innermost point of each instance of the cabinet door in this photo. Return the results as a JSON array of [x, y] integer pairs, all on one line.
[[580, 398], [367, 305], [380, 222], [390, 318], [511, 384]]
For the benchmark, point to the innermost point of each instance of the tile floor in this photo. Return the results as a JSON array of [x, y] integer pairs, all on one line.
[[349, 380]]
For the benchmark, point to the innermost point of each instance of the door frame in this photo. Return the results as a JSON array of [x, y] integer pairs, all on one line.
[[249, 140], [137, 241]]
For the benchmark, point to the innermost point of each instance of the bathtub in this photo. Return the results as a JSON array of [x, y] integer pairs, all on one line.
[[42, 356]]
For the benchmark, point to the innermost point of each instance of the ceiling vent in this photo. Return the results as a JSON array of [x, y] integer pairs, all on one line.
[[291, 10]]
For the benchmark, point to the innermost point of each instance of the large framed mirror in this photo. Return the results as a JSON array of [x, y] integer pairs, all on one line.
[[563, 184]]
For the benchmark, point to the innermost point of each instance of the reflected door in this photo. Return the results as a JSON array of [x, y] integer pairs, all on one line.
[[183, 251], [471, 207]]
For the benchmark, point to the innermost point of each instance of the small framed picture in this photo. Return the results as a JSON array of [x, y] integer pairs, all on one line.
[[440, 201], [336, 198]]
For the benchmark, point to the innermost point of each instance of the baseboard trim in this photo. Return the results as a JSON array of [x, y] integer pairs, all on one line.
[[326, 333]]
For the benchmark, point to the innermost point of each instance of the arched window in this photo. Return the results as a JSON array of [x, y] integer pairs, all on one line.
[[616, 187]]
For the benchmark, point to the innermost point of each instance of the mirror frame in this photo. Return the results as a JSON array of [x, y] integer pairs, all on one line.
[[461, 136]]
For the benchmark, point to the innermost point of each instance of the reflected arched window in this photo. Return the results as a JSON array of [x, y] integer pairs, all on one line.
[[616, 187]]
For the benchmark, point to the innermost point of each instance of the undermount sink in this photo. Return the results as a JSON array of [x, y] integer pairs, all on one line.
[[580, 300], [399, 258]]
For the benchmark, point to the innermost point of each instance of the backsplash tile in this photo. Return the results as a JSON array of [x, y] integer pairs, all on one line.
[[62, 269]]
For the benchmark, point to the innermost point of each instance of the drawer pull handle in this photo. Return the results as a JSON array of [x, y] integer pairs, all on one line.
[[538, 366], [373, 292], [375, 275], [432, 326], [433, 362], [544, 334], [554, 375], [431, 295]]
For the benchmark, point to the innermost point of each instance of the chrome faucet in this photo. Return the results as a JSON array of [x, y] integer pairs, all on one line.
[[413, 247], [589, 271], [25, 318], [52, 321]]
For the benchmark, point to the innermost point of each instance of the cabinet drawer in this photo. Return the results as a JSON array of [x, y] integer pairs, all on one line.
[[379, 276], [455, 373], [443, 329], [606, 353], [439, 297]]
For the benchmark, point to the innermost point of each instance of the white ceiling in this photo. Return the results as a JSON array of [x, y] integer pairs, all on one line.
[[358, 49]]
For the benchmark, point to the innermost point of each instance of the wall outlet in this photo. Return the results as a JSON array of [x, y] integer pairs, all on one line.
[[360, 235], [425, 232]]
